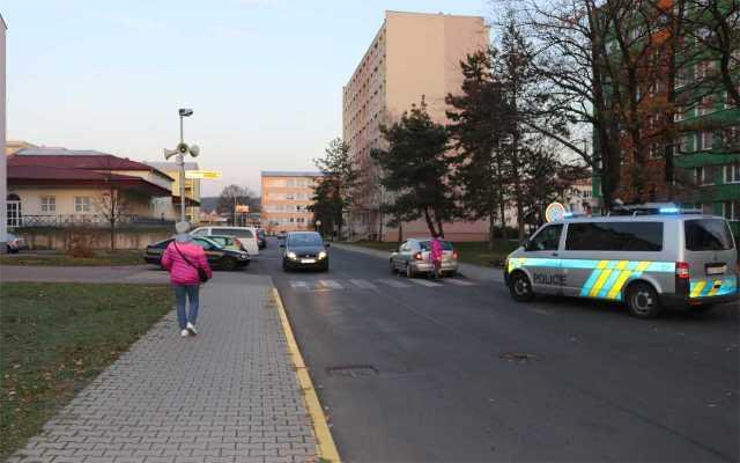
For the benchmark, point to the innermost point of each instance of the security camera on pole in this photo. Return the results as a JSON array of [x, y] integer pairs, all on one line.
[[181, 150]]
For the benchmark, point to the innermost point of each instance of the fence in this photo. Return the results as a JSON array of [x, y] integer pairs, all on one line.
[[87, 220]]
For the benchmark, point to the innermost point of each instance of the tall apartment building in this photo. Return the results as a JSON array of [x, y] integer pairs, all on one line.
[[286, 196], [412, 55]]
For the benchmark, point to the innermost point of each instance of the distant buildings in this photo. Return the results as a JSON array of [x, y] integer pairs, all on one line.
[[286, 196], [192, 188], [411, 56], [60, 187], [3, 172]]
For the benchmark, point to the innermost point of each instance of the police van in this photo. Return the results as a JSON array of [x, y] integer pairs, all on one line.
[[646, 260]]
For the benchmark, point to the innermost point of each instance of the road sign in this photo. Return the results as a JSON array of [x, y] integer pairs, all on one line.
[[242, 208], [555, 211], [203, 174]]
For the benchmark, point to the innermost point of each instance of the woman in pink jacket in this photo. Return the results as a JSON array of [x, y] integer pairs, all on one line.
[[182, 258], [436, 255]]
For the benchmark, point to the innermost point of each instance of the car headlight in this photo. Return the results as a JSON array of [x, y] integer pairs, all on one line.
[[322, 255], [291, 255], [243, 255]]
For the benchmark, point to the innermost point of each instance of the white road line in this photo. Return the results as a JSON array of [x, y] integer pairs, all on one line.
[[296, 284], [330, 284], [364, 284], [393, 283], [427, 283], [458, 282]]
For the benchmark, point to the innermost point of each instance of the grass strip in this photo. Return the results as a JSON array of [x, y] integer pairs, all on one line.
[[56, 338], [101, 258]]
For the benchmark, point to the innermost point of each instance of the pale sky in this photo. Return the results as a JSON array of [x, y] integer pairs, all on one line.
[[264, 77]]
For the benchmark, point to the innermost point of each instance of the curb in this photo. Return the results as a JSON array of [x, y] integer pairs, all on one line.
[[326, 447]]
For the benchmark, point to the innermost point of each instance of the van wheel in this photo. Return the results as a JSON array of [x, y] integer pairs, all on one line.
[[229, 264], [642, 300], [520, 287]]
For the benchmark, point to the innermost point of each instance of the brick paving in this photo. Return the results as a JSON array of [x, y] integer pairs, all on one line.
[[227, 395]]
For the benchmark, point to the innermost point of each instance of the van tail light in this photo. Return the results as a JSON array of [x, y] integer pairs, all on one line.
[[418, 256], [682, 278], [682, 270]]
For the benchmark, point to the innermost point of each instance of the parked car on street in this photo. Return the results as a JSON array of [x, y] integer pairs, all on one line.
[[261, 238], [648, 261], [246, 235], [14, 243], [305, 250], [413, 258], [218, 257], [228, 242]]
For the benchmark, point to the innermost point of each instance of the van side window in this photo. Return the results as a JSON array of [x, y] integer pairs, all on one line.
[[201, 232], [547, 239], [615, 236]]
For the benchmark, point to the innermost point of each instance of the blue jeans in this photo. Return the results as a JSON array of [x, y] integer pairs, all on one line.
[[191, 291]]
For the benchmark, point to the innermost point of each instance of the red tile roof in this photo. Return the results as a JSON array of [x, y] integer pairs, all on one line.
[[61, 176], [86, 162]]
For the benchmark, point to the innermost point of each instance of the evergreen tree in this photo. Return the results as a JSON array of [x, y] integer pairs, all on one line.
[[415, 170], [334, 193]]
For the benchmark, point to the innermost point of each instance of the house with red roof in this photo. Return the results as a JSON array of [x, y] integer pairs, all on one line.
[[58, 186]]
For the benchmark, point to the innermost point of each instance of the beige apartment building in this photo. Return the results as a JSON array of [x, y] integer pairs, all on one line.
[[413, 54], [286, 196]]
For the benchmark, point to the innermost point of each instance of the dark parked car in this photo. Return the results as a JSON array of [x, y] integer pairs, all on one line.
[[218, 257], [14, 243], [261, 238], [305, 250]]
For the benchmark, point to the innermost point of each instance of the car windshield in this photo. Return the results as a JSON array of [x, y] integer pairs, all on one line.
[[426, 245], [305, 239]]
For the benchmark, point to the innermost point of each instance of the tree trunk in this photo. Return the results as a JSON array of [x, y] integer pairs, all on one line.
[[428, 219], [491, 230], [112, 235]]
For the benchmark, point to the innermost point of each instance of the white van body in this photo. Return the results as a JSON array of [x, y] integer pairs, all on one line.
[[247, 236], [646, 261]]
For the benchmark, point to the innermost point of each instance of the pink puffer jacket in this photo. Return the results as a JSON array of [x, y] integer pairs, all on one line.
[[182, 273]]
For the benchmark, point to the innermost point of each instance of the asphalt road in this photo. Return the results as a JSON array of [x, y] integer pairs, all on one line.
[[460, 372]]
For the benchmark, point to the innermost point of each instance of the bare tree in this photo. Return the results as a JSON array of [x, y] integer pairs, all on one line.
[[113, 207]]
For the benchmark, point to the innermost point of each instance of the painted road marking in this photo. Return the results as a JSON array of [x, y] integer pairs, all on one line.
[[297, 284], [458, 282], [330, 284], [393, 283], [364, 284], [426, 283]]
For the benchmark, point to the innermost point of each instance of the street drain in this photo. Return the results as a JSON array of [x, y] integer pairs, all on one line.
[[352, 371], [518, 356]]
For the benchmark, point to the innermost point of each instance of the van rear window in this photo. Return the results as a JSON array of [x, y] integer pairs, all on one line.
[[615, 236], [707, 235]]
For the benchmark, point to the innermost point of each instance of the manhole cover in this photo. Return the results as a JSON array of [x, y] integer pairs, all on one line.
[[518, 356], [352, 371]]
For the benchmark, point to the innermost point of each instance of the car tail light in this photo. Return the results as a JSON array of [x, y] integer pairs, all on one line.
[[455, 255], [683, 285], [682, 270], [418, 256]]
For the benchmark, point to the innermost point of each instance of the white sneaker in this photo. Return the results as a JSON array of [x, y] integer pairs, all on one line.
[[184, 333], [191, 329]]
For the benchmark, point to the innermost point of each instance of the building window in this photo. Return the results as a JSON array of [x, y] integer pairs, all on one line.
[[706, 105], [732, 173], [48, 204], [731, 138], [687, 144], [679, 114], [655, 151], [82, 204], [731, 210], [705, 141]]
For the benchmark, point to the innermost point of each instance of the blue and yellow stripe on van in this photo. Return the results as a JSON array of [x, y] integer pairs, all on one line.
[[607, 277], [712, 287]]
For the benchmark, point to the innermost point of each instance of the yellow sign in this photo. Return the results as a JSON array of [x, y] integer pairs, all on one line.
[[242, 209], [204, 174]]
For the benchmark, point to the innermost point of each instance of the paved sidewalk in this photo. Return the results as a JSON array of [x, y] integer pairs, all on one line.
[[227, 395], [60, 274], [474, 272]]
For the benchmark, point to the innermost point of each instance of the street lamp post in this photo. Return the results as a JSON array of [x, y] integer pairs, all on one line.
[[181, 150]]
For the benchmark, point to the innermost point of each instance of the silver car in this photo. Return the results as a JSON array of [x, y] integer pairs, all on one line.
[[413, 258]]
